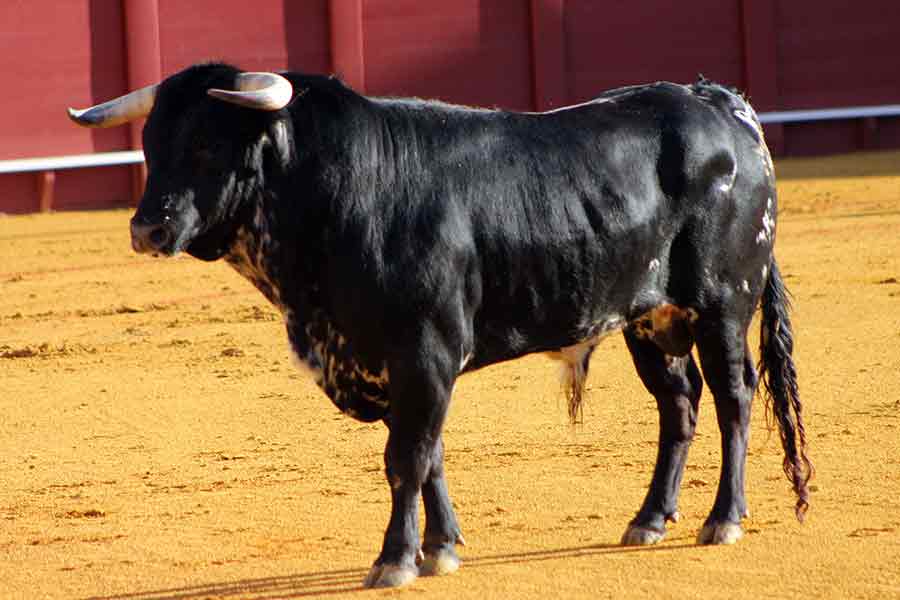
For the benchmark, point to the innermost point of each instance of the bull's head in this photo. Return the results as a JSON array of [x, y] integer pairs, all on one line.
[[205, 157]]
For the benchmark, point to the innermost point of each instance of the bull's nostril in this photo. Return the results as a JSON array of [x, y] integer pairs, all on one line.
[[159, 237]]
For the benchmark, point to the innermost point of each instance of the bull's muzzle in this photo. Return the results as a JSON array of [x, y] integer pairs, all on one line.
[[151, 238]]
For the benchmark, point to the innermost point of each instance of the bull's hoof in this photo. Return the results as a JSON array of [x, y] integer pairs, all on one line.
[[442, 561], [720, 533], [636, 535], [386, 576]]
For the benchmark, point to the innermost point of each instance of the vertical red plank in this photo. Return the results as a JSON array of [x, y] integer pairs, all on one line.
[[347, 52], [143, 49], [759, 22], [548, 54], [144, 68]]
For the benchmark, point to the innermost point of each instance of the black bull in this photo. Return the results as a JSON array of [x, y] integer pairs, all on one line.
[[407, 242]]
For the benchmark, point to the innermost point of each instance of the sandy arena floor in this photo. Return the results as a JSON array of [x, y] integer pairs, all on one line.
[[157, 443]]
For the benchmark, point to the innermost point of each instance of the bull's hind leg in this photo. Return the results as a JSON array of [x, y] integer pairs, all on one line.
[[676, 384], [731, 377], [442, 532]]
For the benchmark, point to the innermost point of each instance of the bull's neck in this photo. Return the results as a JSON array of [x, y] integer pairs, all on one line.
[[264, 252]]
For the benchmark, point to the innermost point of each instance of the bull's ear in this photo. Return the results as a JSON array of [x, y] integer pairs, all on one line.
[[278, 142]]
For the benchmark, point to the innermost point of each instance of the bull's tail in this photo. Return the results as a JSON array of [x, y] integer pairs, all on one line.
[[779, 378]]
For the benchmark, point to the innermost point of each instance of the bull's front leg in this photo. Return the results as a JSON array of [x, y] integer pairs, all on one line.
[[442, 532], [420, 393]]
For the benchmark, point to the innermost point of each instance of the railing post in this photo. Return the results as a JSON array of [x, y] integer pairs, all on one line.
[[548, 55], [144, 53], [46, 183], [868, 133], [760, 40], [346, 32]]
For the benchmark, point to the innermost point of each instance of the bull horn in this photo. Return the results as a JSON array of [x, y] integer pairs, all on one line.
[[262, 91], [119, 110]]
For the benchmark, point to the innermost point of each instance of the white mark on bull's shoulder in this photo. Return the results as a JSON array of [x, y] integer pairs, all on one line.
[[745, 286], [654, 265]]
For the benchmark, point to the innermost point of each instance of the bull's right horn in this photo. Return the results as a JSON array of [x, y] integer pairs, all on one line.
[[119, 110], [258, 90]]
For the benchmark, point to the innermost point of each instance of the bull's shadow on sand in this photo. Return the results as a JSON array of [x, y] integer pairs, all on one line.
[[328, 583]]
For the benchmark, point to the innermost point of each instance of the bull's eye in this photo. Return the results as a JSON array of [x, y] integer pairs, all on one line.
[[205, 162], [205, 156]]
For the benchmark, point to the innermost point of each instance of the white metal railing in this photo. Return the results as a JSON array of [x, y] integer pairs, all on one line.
[[72, 161], [46, 167], [828, 114]]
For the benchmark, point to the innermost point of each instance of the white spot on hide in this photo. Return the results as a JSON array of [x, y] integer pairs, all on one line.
[[767, 232], [747, 117], [727, 183], [304, 365]]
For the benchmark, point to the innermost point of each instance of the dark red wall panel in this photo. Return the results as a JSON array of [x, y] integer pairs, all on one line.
[[70, 55], [258, 35], [828, 137], [464, 51], [636, 42], [18, 193], [887, 135], [838, 53], [97, 187]]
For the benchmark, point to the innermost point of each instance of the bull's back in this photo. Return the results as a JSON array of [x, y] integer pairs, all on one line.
[[565, 220]]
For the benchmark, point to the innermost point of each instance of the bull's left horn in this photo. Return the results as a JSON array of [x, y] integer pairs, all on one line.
[[119, 110], [262, 91]]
